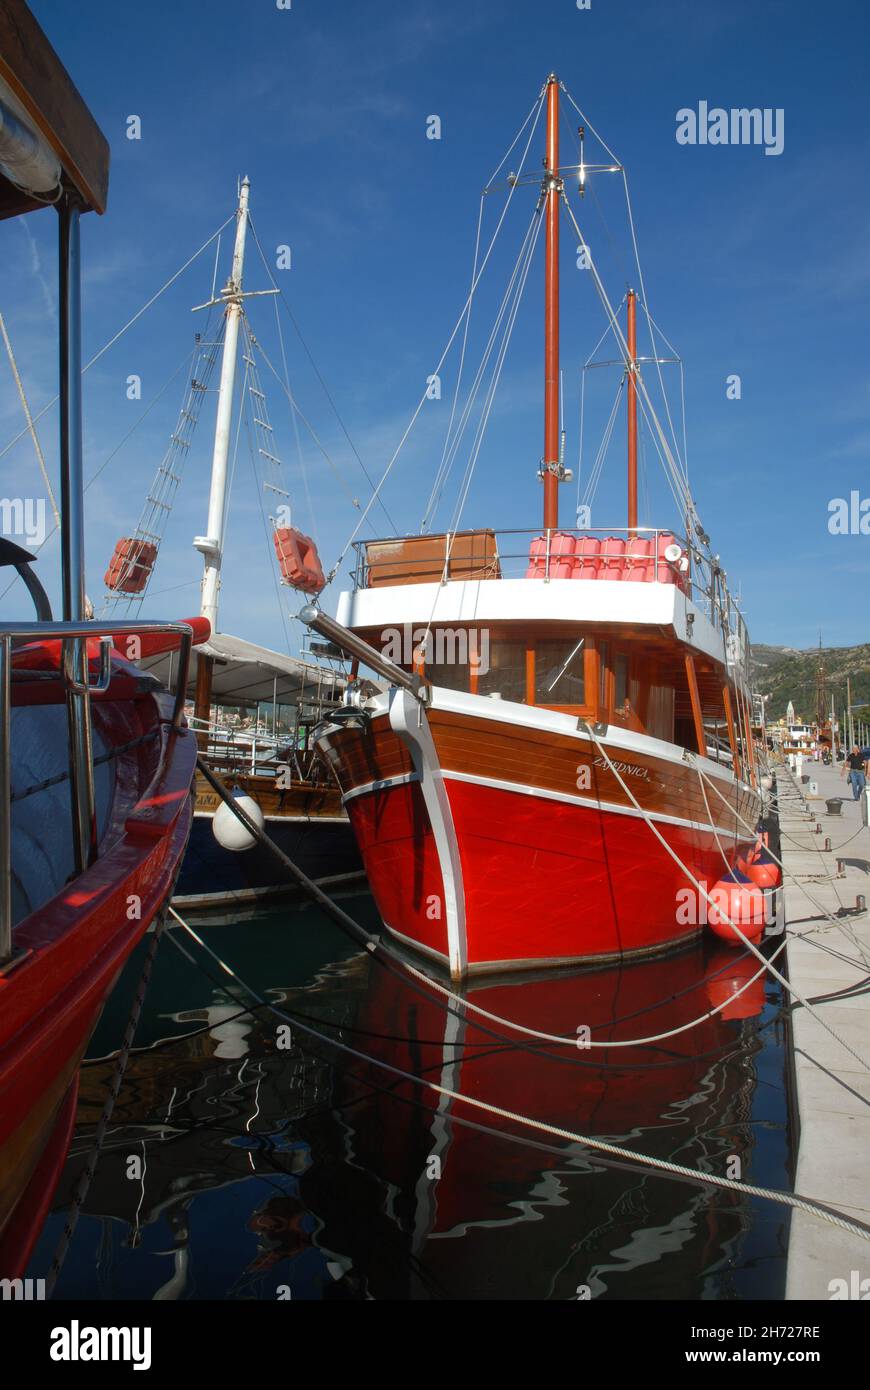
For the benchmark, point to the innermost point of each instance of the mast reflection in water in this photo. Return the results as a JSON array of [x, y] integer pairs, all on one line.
[[236, 1167]]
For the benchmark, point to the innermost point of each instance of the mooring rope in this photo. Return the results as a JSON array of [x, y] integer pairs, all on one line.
[[835, 921], [795, 993], [374, 945], [789, 1199]]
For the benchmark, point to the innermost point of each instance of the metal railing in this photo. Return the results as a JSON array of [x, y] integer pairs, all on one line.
[[704, 582], [241, 748], [74, 674]]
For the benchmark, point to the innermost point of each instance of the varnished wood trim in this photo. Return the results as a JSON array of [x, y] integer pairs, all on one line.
[[732, 736], [696, 704], [33, 71], [478, 746], [750, 747]]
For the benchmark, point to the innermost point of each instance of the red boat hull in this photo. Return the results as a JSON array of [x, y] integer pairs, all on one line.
[[546, 883], [69, 953], [549, 875]]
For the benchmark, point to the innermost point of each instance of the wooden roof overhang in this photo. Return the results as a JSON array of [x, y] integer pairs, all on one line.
[[50, 104]]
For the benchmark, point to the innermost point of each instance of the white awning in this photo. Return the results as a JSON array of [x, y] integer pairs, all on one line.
[[245, 674]]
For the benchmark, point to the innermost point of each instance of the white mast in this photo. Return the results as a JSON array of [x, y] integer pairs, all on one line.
[[211, 544]]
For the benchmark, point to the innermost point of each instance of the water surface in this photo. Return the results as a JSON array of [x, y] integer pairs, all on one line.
[[243, 1163]]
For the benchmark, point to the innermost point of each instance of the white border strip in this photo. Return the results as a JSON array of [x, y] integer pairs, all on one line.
[[482, 968], [547, 795], [546, 720], [382, 784], [287, 820]]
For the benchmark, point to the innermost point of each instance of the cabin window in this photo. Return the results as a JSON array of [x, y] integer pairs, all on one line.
[[559, 671], [502, 670], [660, 712], [453, 656], [449, 676]]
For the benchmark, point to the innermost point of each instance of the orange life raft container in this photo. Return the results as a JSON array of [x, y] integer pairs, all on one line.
[[130, 566], [298, 560]]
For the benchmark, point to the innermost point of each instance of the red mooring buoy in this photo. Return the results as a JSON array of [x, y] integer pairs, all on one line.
[[761, 867], [736, 897]]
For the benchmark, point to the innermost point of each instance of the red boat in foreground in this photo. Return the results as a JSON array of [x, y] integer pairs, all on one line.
[[96, 762], [565, 744]]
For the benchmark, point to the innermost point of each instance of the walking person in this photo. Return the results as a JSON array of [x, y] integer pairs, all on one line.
[[855, 771]]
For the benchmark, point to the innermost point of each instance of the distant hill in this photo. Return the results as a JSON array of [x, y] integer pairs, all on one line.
[[786, 674]]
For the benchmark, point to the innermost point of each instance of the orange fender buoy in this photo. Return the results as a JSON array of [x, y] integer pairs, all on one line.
[[735, 896], [764, 870]]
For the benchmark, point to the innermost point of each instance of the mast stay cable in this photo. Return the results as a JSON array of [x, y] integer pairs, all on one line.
[[121, 331], [317, 372], [534, 117], [641, 282]]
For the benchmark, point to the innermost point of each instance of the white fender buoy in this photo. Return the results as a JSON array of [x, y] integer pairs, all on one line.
[[229, 831]]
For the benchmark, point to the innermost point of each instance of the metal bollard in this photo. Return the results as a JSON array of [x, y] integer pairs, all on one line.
[[860, 903]]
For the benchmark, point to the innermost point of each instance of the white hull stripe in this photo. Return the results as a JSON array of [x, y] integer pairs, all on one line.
[[616, 738], [498, 967], [283, 820], [382, 784], [547, 795]]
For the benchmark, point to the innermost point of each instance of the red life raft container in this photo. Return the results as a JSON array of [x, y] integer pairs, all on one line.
[[298, 560], [130, 566], [642, 560]]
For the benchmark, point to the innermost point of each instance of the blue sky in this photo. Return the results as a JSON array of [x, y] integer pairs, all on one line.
[[755, 265]]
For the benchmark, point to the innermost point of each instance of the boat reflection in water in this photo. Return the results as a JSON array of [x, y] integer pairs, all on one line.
[[267, 1172]]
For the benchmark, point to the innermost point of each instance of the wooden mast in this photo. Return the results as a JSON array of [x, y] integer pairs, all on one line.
[[553, 188], [631, 339]]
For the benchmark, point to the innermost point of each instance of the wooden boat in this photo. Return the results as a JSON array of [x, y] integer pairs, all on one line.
[[269, 758], [96, 762], [233, 675], [561, 703]]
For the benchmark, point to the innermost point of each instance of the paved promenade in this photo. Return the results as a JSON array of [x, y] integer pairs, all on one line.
[[824, 959]]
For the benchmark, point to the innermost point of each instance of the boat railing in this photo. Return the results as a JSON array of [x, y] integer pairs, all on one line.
[[74, 673], [233, 747], [517, 554]]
